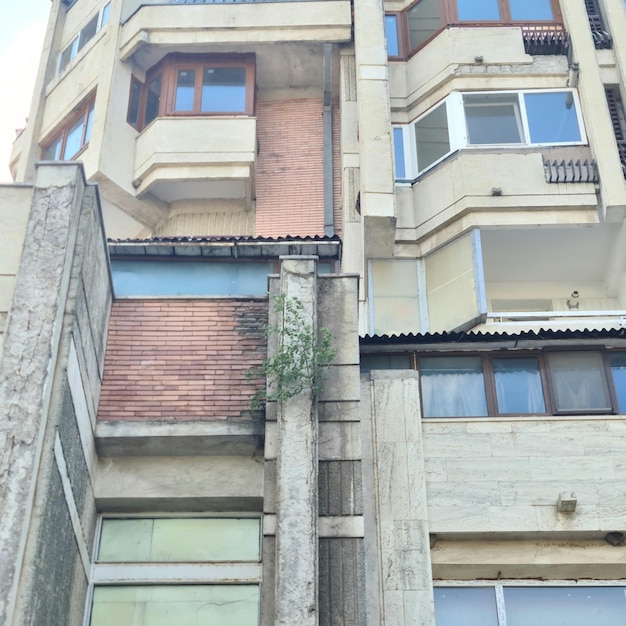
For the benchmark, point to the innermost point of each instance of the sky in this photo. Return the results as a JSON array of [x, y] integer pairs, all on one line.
[[22, 28]]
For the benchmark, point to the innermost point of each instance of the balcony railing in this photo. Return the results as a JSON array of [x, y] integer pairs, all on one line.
[[571, 171], [601, 37]]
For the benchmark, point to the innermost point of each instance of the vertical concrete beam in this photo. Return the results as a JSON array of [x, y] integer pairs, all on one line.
[[595, 112], [296, 470], [30, 352], [399, 512]]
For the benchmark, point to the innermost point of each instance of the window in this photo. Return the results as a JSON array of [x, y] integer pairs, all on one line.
[[67, 143], [177, 571], [189, 278], [540, 605], [536, 383], [507, 118], [418, 23], [95, 23], [193, 85]]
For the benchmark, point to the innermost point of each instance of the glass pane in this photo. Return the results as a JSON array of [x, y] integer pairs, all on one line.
[[223, 89], [618, 365], [133, 105], [551, 117], [185, 90], [518, 385], [391, 35], [394, 362], [531, 10], [394, 284], [73, 141], [179, 540], [578, 381], [492, 119], [478, 10], [565, 606], [474, 606], [146, 278], [67, 55], [88, 31], [176, 605], [423, 20], [88, 125], [452, 386], [431, 137], [153, 99], [105, 14], [398, 153], [53, 151]]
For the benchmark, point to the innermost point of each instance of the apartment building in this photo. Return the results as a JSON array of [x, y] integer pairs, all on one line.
[[437, 186]]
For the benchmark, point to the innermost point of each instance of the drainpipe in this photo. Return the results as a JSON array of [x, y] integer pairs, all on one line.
[[329, 229]]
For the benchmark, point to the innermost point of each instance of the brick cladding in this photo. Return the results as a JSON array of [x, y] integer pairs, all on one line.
[[289, 174], [181, 359]]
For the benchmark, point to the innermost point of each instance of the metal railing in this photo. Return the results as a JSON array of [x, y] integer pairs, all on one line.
[[544, 40], [571, 171]]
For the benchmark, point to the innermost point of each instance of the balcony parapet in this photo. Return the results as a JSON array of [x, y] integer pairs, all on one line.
[[210, 157]]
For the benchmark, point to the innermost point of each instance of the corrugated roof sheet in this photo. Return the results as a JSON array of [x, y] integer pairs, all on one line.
[[225, 247], [495, 337]]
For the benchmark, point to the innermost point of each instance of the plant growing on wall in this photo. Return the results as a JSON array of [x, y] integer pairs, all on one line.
[[300, 357]]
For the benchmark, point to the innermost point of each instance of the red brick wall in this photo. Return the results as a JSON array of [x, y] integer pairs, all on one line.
[[181, 359], [290, 174]]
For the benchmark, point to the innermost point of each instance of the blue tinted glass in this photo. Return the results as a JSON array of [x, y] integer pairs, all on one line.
[[518, 385], [105, 15], [398, 153], [531, 10], [453, 386], [564, 606], [552, 117], [463, 606], [150, 278], [618, 365], [478, 10], [391, 35], [185, 90], [223, 89]]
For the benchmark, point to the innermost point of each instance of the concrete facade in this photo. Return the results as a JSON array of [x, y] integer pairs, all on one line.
[[441, 192]]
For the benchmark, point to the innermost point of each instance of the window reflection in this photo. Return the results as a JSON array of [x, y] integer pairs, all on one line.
[[518, 385]]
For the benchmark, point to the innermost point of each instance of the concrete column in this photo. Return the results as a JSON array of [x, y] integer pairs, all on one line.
[[30, 351], [398, 509], [297, 469]]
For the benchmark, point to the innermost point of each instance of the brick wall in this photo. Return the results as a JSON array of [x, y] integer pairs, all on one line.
[[181, 359], [289, 176]]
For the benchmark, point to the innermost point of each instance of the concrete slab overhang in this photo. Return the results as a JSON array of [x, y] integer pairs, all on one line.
[[196, 157], [208, 24]]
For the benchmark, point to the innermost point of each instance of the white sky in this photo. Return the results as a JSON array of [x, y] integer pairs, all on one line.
[[22, 28]]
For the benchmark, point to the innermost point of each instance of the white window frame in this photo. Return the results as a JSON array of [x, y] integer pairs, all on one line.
[[78, 43], [499, 587], [186, 573], [458, 134]]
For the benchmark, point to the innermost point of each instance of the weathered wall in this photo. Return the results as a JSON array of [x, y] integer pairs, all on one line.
[[289, 176], [49, 382], [182, 359]]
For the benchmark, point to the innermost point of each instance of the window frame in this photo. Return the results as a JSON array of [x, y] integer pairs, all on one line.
[[168, 69], [499, 586], [84, 112], [178, 573], [78, 43], [546, 381], [448, 12], [458, 134]]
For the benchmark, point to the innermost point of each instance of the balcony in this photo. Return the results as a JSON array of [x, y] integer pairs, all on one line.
[[197, 157]]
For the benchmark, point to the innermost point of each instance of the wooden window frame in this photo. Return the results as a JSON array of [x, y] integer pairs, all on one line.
[[168, 69], [82, 112], [546, 380], [448, 11]]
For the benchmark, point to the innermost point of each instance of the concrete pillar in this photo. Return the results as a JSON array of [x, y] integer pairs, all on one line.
[[30, 350], [396, 517], [297, 468]]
